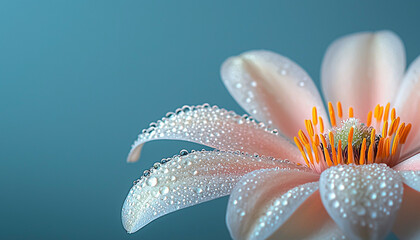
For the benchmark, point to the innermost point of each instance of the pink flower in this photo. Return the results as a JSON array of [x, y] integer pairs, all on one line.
[[356, 176]]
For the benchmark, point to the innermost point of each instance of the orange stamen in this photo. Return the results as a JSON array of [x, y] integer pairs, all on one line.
[[385, 128], [369, 118], [351, 113], [327, 155], [332, 114], [362, 152], [339, 153], [339, 109], [299, 145], [321, 125], [386, 114], [405, 133], [393, 114], [314, 116], [350, 158], [333, 153]]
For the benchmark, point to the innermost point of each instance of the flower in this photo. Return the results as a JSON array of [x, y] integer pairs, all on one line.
[[356, 176]]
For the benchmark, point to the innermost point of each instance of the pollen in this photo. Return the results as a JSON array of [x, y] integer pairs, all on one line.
[[350, 140]]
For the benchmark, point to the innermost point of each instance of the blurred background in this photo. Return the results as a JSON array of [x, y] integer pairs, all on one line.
[[80, 79]]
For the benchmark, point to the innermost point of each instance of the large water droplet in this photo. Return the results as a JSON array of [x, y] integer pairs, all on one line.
[[152, 181]]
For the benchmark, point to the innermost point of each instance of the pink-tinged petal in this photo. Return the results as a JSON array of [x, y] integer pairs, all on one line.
[[362, 199], [187, 180], [362, 70], [411, 164], [263, 200], [407, 103], [406, 226], [310, 221], [273, 89], [219, 129], [412, 179]]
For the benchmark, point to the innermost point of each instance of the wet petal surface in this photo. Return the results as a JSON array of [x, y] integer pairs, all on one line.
[[362, 199], [406, 226], [273, 89], [412, 179], [263, 200], [220, 129], [188, 180]]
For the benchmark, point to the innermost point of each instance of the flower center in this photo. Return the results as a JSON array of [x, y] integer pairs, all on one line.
[[352, 141]]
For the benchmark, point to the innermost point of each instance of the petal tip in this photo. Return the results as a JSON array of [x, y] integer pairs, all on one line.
[[134, 154]]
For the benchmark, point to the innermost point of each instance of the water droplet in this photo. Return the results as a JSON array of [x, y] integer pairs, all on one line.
[[301, 84], [238, 85], [152, 181], [164, 190], [183, 152], [360, 210], [198, 190]]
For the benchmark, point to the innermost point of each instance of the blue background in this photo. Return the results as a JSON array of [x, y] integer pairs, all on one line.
[[80, 79]]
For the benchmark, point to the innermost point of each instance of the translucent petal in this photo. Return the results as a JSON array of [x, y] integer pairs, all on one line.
[[263, 200], [219, 129], [362, 199], [413, 164], [411, 178], [187, 180], [362, 70], [408, 219], [273, 89], [407, 103]]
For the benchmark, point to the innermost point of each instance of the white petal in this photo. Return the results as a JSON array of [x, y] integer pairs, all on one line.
[[410, 164], [219, 129], [362, 70], [273, 89], [188, 180], [263, 200], [411, 178], [408, 219], [407, 103], [362, 199]]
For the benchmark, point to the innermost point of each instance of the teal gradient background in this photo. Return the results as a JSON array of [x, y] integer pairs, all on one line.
[[80, 79]]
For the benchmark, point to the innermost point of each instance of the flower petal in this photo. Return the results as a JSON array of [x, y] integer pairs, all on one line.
[[413, 164], [273, 89], [407, 103], [263, 200], [187, 180], [408, 219], [362, 70], [411, 178], [219, 129], [362, 199], [309, 221]]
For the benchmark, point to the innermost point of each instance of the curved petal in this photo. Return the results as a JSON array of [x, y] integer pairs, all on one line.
[[407, 103], [310, 221], [263, 200], [412, 179], [273, 89], [219, 129], [362, 70], [362, 199], [187, 180], [413, 164], [408, 219]]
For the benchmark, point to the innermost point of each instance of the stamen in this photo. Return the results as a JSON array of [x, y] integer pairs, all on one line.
[[321, 125], [333, 153], [405, 133], [386, 114], [332, 114], [299, 145], [326, 154], [363, 145], [350, 158], [314, 116], [385, 128], [339, 109], [393, 114], [339, 153], [362, 152], [369, 118]]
